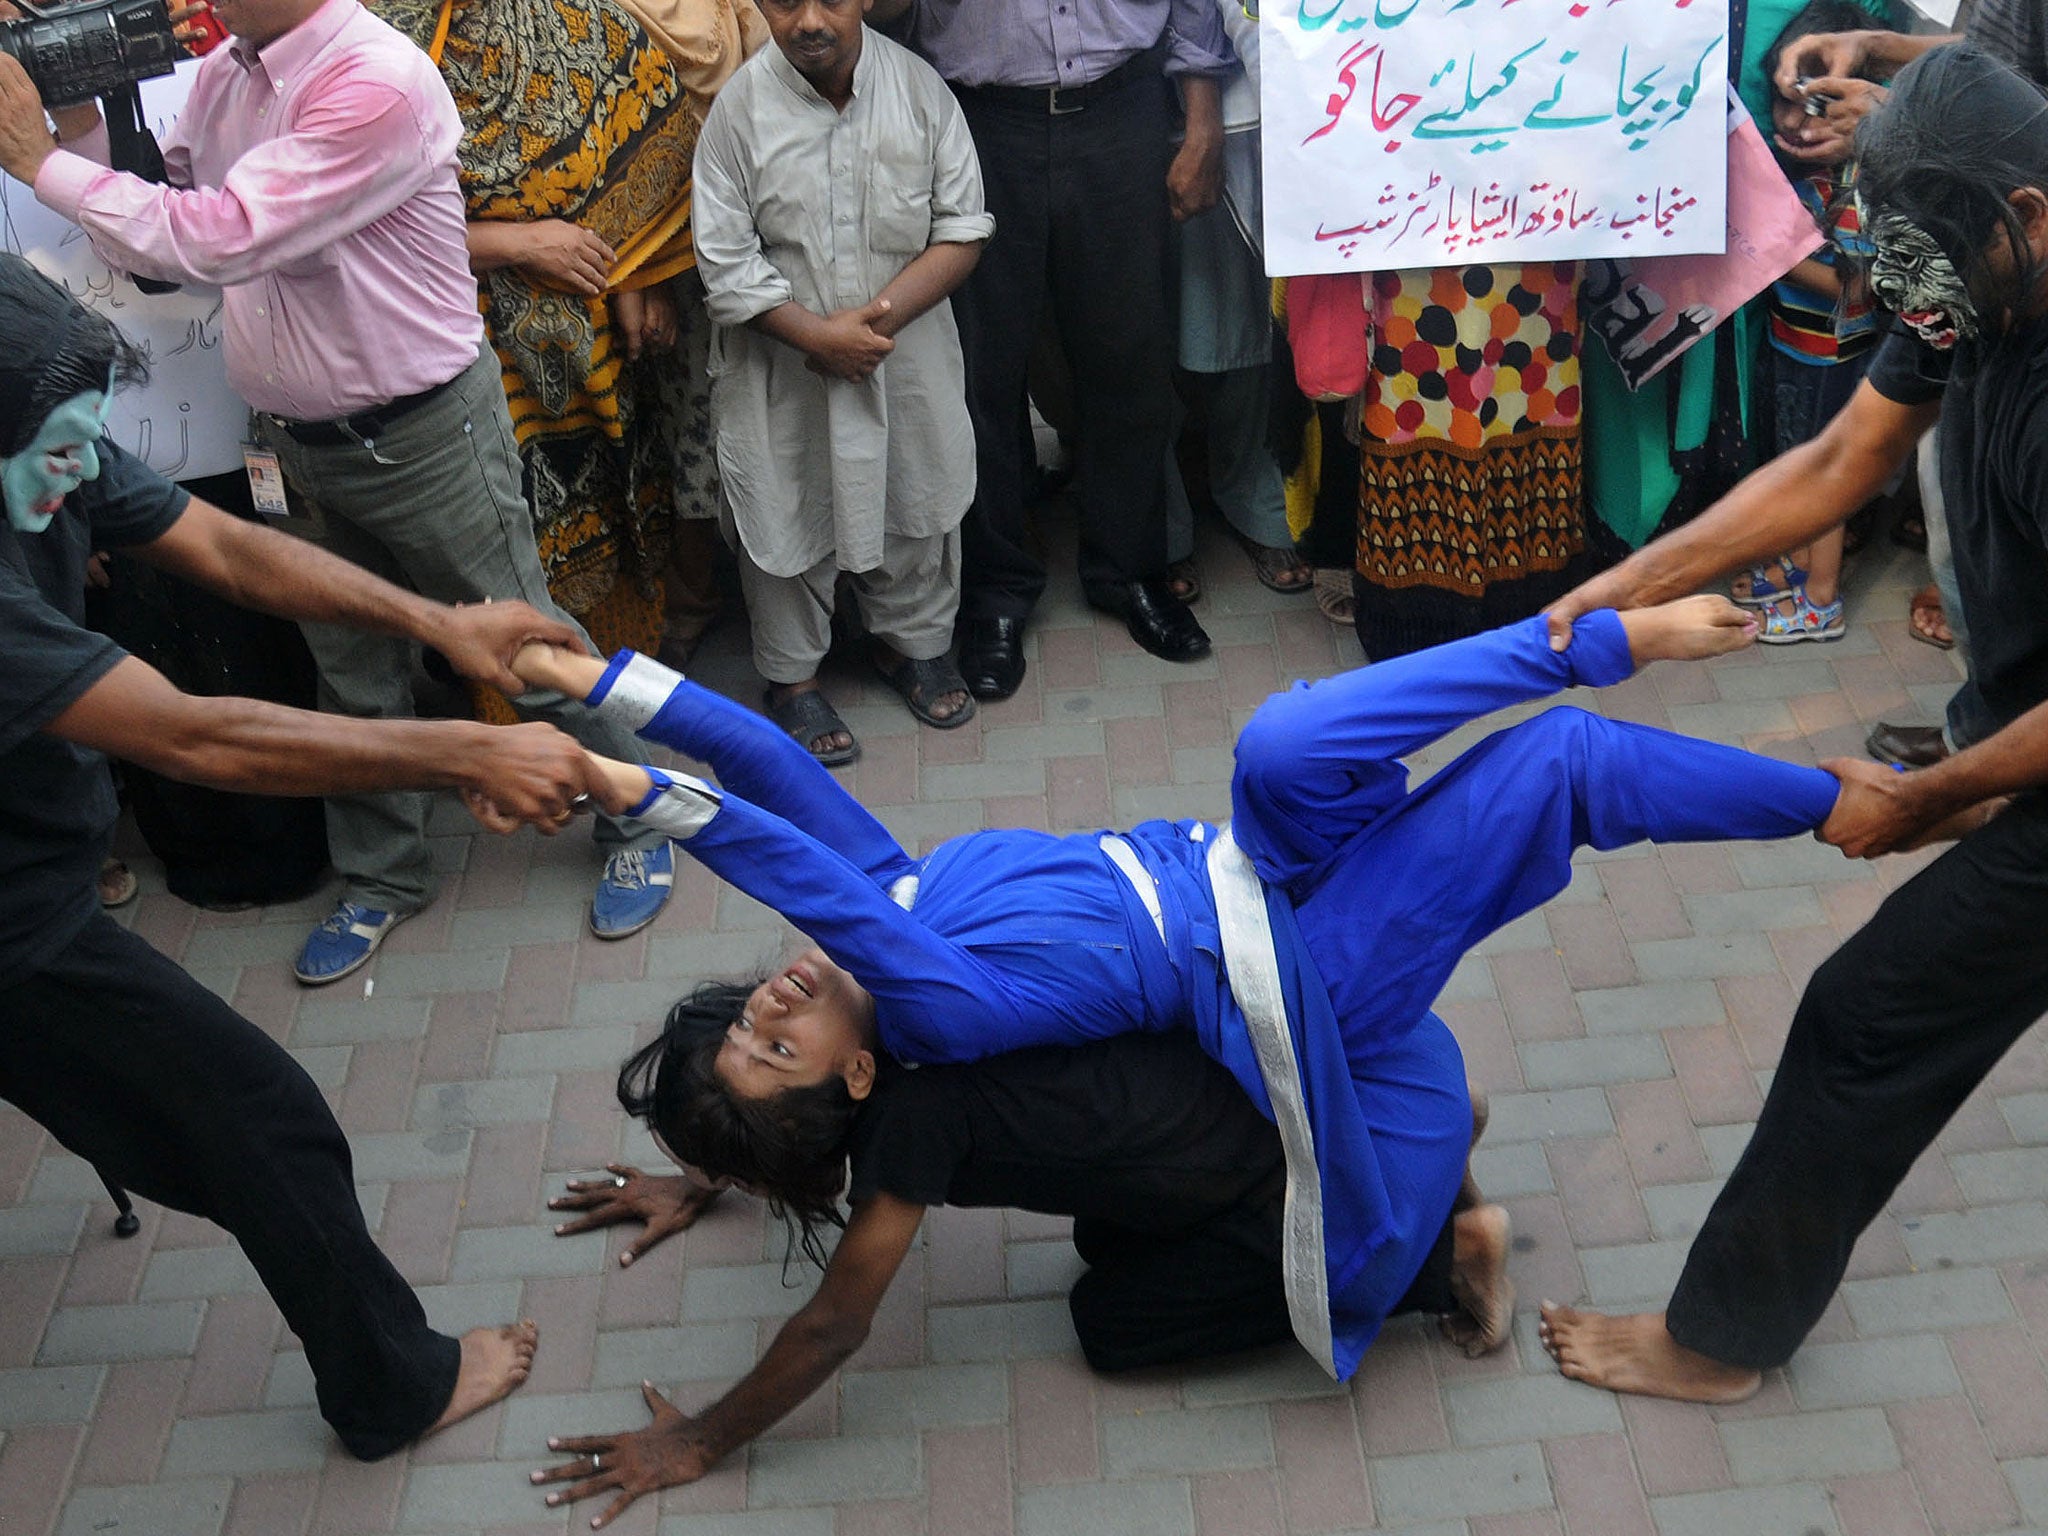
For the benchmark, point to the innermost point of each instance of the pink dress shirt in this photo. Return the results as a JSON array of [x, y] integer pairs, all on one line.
[[315, 181]]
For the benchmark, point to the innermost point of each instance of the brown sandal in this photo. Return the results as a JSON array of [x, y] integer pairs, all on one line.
[[1924, 614], [1279, 567]]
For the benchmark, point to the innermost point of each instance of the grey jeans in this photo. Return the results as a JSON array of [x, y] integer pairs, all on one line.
[[433, 504]]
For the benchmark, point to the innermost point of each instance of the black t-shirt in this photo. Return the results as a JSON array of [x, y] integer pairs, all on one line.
[[1994, 487], [1142, 1130], [56, 800]]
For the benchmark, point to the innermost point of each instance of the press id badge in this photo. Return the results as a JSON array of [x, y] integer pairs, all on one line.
[[266, 481]]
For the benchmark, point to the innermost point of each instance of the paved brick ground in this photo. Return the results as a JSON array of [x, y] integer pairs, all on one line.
[[147, 1386]]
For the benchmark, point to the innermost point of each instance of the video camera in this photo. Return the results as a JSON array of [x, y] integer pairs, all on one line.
[[73, 53]]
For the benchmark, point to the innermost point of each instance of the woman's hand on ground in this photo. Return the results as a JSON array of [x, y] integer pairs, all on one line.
[[558, 254], [666, 1454], [664, 1205]]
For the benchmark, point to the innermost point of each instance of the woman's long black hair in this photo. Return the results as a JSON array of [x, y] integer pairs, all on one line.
[[55, 348], [790, 1147]]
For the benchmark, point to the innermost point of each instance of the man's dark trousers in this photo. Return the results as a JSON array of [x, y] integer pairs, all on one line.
[[1079, 199], [138, 1069], [1894, 1031]]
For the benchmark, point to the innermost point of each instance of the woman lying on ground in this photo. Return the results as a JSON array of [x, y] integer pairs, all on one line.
[[1303, 942]]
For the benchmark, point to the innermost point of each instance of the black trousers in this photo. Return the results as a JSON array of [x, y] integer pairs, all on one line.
[[1081, 226], [138, 1069], [1894, 1031], [1152, 1300]]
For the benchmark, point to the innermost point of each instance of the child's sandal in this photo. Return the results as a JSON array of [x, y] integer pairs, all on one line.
[[1768, 583], [1795, 618]]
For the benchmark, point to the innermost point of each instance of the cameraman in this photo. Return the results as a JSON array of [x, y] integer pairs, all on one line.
[[121, 1055], [313, 177]]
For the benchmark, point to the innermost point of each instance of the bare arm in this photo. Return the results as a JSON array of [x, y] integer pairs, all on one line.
[[528, 773], [1194, 181], [678, 1448], [1780, 506], [1881, 811], [274, 573], [926, 283]]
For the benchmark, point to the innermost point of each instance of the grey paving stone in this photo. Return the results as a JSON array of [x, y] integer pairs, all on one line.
[[458, 969], [62, 1179], [1135, 669], [1939, 1299], [346, 1017], [1676, 1210], [531, 1418], [63, 1394], [979, 781], [926, 1397], [1009, 1330], [468, 1496], [1034, 743], [2009, 1174], [1596, 1060], [1133, 803], [495, 928], [386, 1156], [850, 1468], [1505, 1410], [1283, 1372], [34, 1229], [1527, 932], [1538, 1116], [458, 1308], [2027, 1115], [540, 1052], [1792, 906], [1987, 1235], [197, 1508], [1795, 861], [327, 1065], [496, 1101], [1520, 1169], [1042, 1269], [1731, 720], [702, 956], [220, 980], [287, 1440], [1798, 1509], [257, 944], [694, 1352], [1097, 1509], [1871, 1372], [914, 826], [1724, 1145], [1186, 1440], [751, 1522], [1649, 1007], [1470, 978], [1783, 678], [1799, 1447], [1455, 1484], [752, 1290], [1633, 1272], [1704, 957], [155, 1330], [291, 1382], [180, 1273], [1137, 701], [2028, 1478], [521, 1253]]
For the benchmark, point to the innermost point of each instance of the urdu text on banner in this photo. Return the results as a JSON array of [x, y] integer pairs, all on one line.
[[1428, 133]]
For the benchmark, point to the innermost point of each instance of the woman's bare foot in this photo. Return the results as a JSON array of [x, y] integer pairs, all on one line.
[[1468, 1192], [494, 1362], [1637, 1354], [1479, 1281], [1692, 628]]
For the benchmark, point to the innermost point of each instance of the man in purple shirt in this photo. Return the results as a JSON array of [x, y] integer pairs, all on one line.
[[312, 176], [1069, 102]]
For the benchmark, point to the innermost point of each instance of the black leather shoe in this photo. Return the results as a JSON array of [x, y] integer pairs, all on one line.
[[992, 656], [1909, 746], [1157, 620]]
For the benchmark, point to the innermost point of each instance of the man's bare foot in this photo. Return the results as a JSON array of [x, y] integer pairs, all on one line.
[[1479, 1281], [1468, 1191], [1691, 628], [494, 1362], [1637, 1354]]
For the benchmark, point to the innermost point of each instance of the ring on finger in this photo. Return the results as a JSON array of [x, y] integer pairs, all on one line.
[[596, 1462], [618, 1181]]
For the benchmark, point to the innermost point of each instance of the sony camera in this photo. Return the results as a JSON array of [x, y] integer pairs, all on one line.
[[73, 53]]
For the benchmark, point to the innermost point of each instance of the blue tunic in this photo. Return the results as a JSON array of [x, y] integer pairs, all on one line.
[[1372, 893]]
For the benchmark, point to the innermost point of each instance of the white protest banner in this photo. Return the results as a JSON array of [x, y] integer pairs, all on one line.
[[185, 422], [1427, 133]]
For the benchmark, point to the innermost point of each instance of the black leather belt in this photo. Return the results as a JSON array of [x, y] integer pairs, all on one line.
[[1059, 100], [363, 427]]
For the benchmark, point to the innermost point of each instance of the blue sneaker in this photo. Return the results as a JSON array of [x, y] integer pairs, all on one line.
[[344, 942], [633, 889]]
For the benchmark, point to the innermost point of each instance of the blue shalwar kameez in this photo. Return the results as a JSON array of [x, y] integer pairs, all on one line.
[[1303, 942]]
